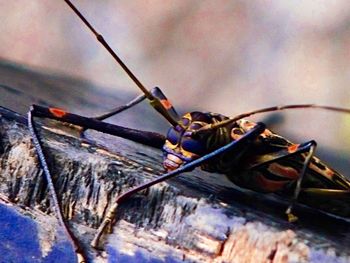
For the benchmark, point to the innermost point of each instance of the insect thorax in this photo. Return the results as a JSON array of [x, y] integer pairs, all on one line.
[[227, 162]]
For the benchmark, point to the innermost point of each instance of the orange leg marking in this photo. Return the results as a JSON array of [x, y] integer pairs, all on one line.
[[293, 148], [166, 104], [57, 112]]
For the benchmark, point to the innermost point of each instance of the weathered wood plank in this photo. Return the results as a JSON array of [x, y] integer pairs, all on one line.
[[197, 217], [162, 223]]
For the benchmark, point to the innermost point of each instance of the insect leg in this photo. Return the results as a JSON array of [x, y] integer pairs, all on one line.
[[311, 149], [56, 206], [156, 92], [110, 215], [333, 193], [163, 107], [121, 108], [148, 138], [286, 152], [115, 111]]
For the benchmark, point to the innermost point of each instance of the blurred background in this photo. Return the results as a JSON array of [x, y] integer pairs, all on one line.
[[221, 56]]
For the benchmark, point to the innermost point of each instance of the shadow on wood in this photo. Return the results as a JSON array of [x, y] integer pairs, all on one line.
[[197, 217]]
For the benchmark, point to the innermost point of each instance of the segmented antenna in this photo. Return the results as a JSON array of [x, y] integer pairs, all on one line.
[[100, 39], [155, 102], [210, 127]]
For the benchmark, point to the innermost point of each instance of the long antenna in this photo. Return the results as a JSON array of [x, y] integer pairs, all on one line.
[[100, 39], [269, 109], [155, 102]]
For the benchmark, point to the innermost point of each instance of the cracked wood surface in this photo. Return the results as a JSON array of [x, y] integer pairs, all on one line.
[[198, 217]]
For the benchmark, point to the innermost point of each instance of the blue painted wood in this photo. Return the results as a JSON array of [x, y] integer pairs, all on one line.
[[20, 240]]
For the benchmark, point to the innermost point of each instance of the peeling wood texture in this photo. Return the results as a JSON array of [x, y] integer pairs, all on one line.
[[197, 217]]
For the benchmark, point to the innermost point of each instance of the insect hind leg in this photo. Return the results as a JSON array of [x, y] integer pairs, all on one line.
[[334, 201], [310, 146]]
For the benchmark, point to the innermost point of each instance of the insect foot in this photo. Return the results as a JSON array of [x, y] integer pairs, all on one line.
[[291, 217]]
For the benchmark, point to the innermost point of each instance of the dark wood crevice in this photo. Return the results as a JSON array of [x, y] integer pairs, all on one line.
[[197, 217], [88, 178]]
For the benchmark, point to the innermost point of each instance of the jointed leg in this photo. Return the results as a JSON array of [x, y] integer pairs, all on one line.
[[291, 217], [148, 138], [121, 108], [330, 193], [77, 248], [156, 93], [309, 148], [115, 111], [111, 213]]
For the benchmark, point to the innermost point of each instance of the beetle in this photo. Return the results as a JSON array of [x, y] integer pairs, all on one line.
[[248, 153]]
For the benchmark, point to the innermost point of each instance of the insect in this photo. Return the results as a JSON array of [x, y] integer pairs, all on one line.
[[248, 153]]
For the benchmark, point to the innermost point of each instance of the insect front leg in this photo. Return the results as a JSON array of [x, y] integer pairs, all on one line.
[[251, 135], [81, 257], [157, 94], [147, 138], [121, 108], [114, 111]]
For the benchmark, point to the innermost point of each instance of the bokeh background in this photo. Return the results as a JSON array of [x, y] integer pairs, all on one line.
[[220, 56]]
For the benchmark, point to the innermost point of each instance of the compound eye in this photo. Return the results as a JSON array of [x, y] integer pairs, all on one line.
[[173, 136], [185, 122], [193, 146]]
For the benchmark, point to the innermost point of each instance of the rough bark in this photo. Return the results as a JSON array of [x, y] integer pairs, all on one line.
[[195, 218], [161, 223]]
